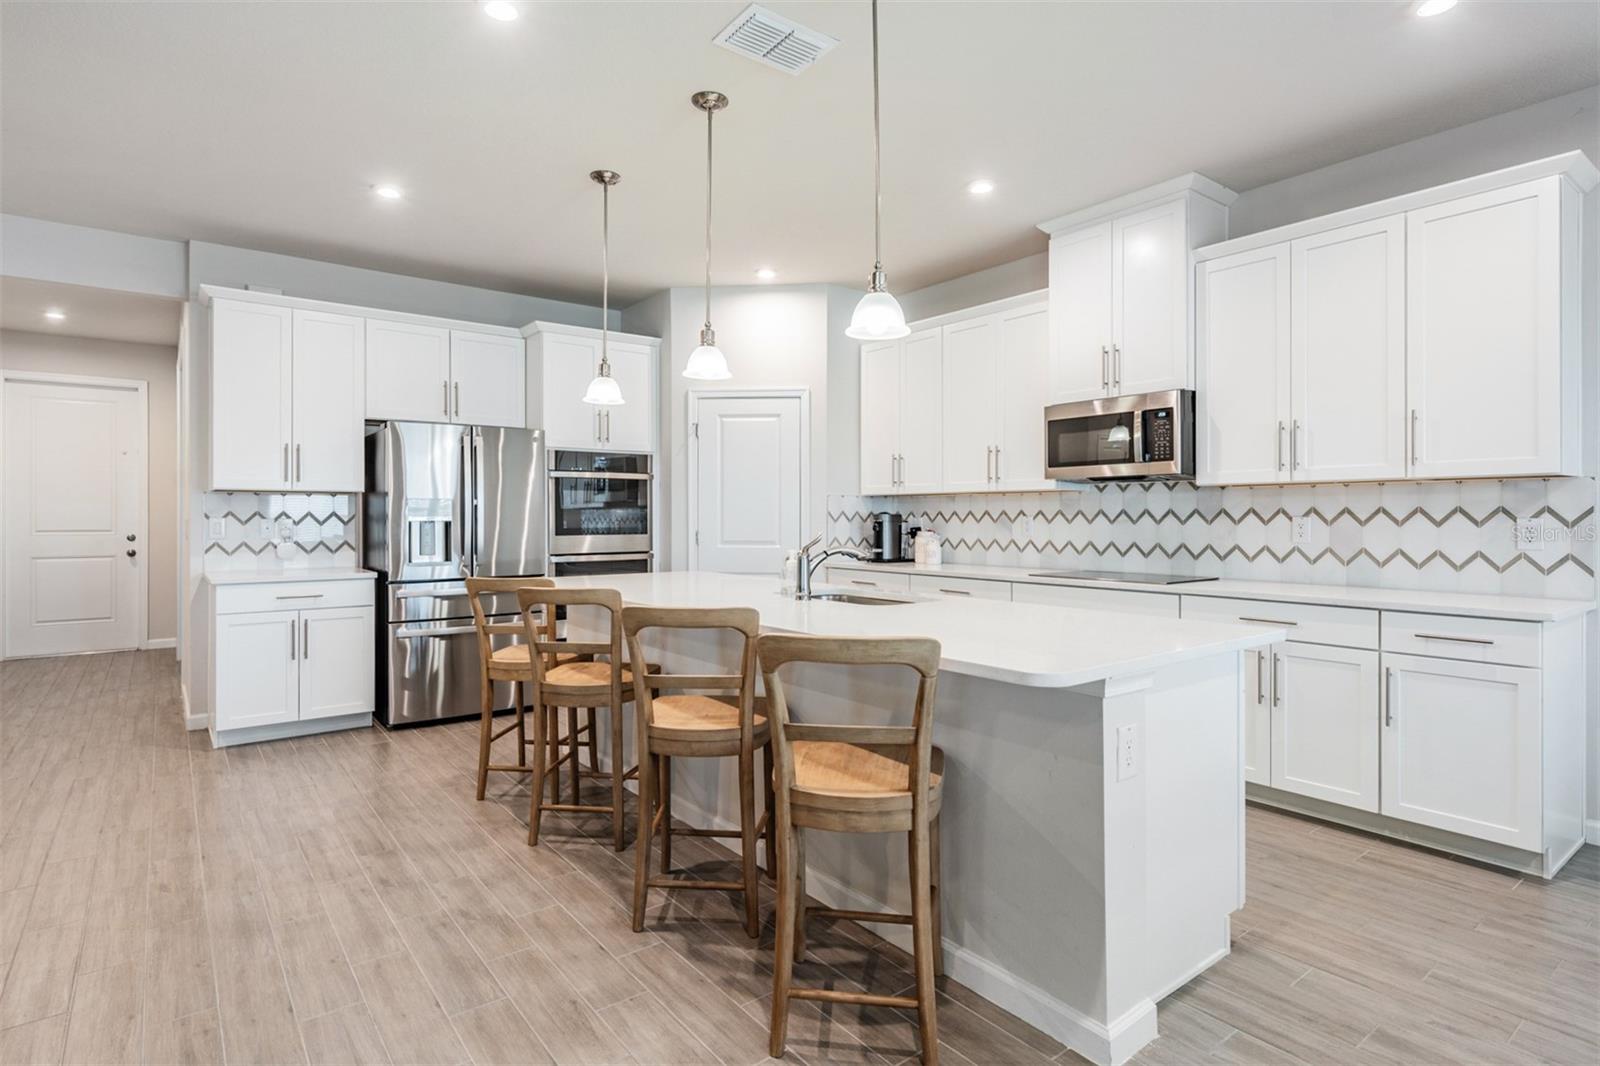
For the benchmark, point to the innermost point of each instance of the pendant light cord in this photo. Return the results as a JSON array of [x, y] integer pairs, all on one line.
[[709, 113], [605, 275], [877, 155]]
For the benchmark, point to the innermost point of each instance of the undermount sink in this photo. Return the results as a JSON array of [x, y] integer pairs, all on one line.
[[855, 597]]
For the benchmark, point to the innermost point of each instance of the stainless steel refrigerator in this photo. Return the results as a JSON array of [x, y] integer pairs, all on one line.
[[444, 503]]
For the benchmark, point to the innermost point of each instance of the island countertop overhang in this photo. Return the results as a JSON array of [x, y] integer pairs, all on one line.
[[1031, 645]]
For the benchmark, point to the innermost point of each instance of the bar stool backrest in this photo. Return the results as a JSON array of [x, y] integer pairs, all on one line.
[[919, 654], [535, 602], [478, 588], [742, 620]]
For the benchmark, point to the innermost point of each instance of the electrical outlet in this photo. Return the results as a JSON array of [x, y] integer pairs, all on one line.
[[1300, 529], [1127, 752], [216, 528], [1528, 534]]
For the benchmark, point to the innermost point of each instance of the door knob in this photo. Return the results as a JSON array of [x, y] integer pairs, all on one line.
[[132, 538], [132, 553]]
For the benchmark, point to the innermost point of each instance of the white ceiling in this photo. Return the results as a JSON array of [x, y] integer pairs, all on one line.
[[265, 124], [97, 313]]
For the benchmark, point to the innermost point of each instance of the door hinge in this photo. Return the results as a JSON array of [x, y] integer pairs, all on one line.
[[697, 538], [696, 427]]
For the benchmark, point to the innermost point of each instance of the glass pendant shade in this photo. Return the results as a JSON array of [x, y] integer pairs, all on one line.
[[707, 363], [603, 391], [877, 318]]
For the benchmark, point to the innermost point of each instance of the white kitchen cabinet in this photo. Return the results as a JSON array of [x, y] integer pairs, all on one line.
[[408, 371], [959, 588], [252, 395], [971, 404], [880, 418], [1121, 289], [257, 673], [562, 360], [1325, 723], [1161, 604], [1242, 355], [921, 403], [1487, 359], [1462, 749], [329, 368], [486, 379], [335, 662], [1348, 355], [1024, 371]]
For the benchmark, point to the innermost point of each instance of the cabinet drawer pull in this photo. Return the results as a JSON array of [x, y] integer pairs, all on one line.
[[956, 592], [1268, 621], [1456, 640], [868, 584], [302, 596]]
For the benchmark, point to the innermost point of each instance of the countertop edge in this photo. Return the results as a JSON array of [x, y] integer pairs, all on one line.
[[285, 577]]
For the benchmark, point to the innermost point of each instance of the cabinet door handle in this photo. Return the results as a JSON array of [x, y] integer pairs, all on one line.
[[1413, 436], [1457, 640], [1261, 683], [1105, 368], [1388, 695], [1116, 368], [305, 639], [1277, 696], [457, 387], [997, 462], [1294, 445], [285, 462], [445, 384], [1280, 446], [297, 463], [988, 463], [292, 634]]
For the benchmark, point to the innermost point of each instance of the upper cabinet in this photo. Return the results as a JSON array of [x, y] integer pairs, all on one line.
[[902, 387], [562, 360], [1121, 289], [285, 398], [1435, 335], [426, 373]]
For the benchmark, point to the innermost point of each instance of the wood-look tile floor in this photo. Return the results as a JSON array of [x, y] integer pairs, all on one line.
[[344, 899]]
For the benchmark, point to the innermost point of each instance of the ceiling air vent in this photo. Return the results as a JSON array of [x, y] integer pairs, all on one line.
[[774, 40]]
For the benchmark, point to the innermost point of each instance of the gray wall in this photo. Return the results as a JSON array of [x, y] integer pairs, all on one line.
[[157, 366], [98, 258]]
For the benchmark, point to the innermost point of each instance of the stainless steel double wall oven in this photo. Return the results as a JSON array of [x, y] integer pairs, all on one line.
[[600, 506]]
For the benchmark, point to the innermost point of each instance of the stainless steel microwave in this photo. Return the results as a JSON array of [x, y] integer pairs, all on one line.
[[1149, 436]]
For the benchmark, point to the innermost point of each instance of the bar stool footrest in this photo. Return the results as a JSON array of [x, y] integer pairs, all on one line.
[[510, 768], [676, 882], [576, 808], [858, 916], [830, 995], [692, 831]]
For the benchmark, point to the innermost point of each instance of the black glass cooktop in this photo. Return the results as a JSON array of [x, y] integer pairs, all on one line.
[[1122, 578]]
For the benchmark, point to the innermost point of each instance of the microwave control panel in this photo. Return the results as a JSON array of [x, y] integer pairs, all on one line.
[[1158, 446]]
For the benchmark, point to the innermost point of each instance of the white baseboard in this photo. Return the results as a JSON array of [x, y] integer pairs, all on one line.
[[1591, 831], [1108, 1045], [191, 721], [160, 643]]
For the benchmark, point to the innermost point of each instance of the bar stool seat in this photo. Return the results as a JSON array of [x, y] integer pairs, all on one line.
[[516, 657], [859, 779], [704, 721]]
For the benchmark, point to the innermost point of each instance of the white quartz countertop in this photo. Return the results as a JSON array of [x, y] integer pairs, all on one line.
[[1520, 608], [1034, 645], [266, 576]]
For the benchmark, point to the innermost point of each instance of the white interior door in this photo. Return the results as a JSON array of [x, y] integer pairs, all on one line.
[[750, 482], [74, 496]]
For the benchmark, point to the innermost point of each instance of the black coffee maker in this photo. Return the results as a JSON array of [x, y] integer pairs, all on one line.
[[887, 538]]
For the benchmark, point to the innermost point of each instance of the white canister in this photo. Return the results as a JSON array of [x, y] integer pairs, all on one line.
[[919, 548], [791, 573], [933, 554]]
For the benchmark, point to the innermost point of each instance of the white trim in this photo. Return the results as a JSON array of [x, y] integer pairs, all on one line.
[[281, 730], [191, 721], [1591, 831], [541, 326], [1574, 166], [139, 388], [256, 296], [160, 643], [993, 307], [1172, 189], [777, 392]]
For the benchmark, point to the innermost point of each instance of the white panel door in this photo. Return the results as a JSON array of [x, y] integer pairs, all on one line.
[[408, 372], [1080, 314], [1348, 308], [1483, 318], [1150, 301], [971, 404], [1325, 723], [750, 484], [1024, 368], [921, 412], [630, 427], [257, 669], [1242, 357], [487, 379], [335, 662], [1461, 748], [568, 365], [880, 417], [1255, 697], [74, 493], [252, 395], [329, 402]]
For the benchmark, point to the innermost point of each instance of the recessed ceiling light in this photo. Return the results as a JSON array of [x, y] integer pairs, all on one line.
[[503, 10], [981, 187], [766, 273], [55, 314], [1431, 8], [388, 192]]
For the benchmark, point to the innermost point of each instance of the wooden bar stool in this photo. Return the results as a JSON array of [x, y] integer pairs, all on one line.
[[585, 683], [698, 716], [857, 779], [511, 664]]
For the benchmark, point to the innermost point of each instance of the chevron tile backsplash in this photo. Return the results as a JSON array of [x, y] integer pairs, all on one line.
[[320, 529], [1441, 536]]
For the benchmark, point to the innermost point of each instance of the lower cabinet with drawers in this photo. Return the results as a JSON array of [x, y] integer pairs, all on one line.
[[290, 658]]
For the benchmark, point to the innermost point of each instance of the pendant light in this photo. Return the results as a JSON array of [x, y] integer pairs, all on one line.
[[603, 391], [878, 316], [707, 363]]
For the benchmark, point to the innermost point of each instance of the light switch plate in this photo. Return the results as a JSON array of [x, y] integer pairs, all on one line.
[[216, 528]]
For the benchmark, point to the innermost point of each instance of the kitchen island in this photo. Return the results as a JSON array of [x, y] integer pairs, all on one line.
[[1093, 820]]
